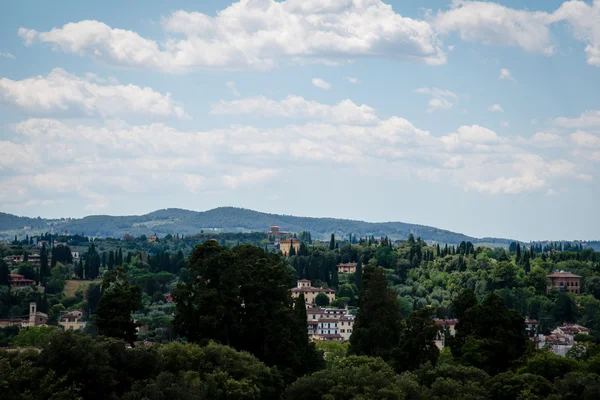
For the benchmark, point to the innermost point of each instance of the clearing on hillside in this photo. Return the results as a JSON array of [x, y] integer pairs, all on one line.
[[72, 286]]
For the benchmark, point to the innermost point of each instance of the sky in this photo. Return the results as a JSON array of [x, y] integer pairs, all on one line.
[[478, 117]]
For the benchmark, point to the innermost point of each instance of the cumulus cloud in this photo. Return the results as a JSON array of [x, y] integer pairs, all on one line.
[[440, 99], [544, 139], [584, 19], [256, 34], [496, 108], [60, 91], [492, 23], [321, 84], [6, 55], [586, 120], [161, 158], [345, 112], [585, 139], [495, 24]]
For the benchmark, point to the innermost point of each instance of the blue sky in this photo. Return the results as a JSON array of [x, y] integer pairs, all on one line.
[[478, 117]]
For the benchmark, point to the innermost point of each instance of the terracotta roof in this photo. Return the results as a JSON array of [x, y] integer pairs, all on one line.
[[328, 320], [312, 289], [439, 321], [563, 275], [347, 265], [315, 311], [303, 280]]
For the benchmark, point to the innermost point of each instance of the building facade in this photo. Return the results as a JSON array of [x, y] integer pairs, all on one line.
[[72, 321], [329, 324], [564, 281], [305, 287], [17, 280], [285, 246], [346, 268]]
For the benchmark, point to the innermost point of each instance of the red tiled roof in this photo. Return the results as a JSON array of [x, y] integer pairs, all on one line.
[[328, 320], [446, 321], [315, 311], [303, 280], [312, 289], [563, 275]]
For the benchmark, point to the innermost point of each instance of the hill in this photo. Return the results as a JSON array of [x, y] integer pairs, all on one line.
[[229, 219]]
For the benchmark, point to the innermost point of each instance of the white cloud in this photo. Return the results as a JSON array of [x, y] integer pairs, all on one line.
[[492, 23], [320, 83], [7, 55], [60, 91], [585, 139], [256, 34], [505, 74], [584, 19], [441, 99], [496, 108], [249, 176], [587, 120], [505, 124], [352, 80], [234, 91], [544, 139], [345, 112]]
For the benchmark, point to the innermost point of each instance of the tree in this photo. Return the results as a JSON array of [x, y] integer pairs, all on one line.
[[592, 286], [466, 299], [377, 327], [332, 242], [119, 300], [322, 300], [61, 254], [351, 378], [37, 336], [490, 336], [4, 274], [417, 341], [537, 279], [240, 297], [44, 268], [27, 271]]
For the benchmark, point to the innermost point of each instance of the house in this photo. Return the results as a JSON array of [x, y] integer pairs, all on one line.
[[75, 255], [324, 322], [571, 330], [275, 233], [564, 281], [72, 321], [34, 259], [347, 268], [17, 280], [36, 318], [285, 246], [531, 326], [153, 239], [305, 287], [447, 327]]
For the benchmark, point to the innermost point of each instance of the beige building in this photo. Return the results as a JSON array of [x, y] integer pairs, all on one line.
[[329, 324], [305, 287], [446, 327], [72, 321], [564, 281], [347, 268], [286, 245]]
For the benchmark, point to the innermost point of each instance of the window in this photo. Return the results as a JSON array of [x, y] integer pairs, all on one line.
[[576, 283]]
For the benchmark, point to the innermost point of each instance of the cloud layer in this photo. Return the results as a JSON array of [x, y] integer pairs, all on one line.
[[256, 34], [60, 91]]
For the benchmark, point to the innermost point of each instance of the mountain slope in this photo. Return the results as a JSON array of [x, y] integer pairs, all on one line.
[[230, 219]]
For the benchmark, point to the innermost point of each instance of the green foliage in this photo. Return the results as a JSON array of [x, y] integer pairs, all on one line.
[[37, 336], [240, 297], [417, 342], [119, 300], [351, 378], [322, 300]]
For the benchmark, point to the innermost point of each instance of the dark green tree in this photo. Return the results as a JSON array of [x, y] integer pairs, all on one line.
[[332, 242], [490, 336], [378, 324], [417, 341], [119, 300], [44, 267], [4, 274], [322, 300]]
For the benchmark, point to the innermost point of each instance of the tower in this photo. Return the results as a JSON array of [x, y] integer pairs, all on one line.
[[32, 312]]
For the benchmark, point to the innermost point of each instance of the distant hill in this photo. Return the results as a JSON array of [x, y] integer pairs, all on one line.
[[230, 219]]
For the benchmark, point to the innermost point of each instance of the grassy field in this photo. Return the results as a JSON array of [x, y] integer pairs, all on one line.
[[72, 286]]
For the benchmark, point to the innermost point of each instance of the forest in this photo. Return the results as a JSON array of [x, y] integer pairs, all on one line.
[[221, 323]]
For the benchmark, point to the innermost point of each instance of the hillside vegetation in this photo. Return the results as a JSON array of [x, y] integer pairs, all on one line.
[[230, 219]]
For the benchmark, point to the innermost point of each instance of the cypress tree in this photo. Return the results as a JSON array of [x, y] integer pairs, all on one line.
[[332, 242], [518, 252], [378, 324], [44, 270], [4, 272]]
